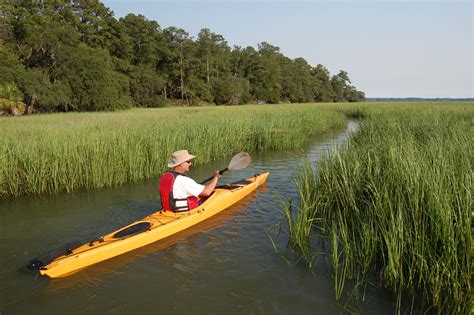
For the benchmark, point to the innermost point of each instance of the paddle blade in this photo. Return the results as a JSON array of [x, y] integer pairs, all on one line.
[[239, 161]]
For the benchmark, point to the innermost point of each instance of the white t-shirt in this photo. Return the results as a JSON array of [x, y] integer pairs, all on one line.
[[184, 187]]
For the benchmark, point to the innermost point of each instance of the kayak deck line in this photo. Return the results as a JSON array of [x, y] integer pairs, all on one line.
[[147, 230]]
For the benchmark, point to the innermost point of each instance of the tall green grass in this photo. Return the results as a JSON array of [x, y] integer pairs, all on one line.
[[397, 203], [65, 152]]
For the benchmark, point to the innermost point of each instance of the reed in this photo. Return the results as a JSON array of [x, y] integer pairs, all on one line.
[[397, 202], [65, 152]]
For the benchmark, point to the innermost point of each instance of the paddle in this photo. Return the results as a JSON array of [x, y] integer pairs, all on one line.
[[239, 161]]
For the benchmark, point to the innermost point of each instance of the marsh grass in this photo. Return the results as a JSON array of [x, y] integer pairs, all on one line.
[[397, 203], [65, 152]]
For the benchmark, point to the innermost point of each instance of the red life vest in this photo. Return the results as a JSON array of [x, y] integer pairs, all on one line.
[[168, 202]]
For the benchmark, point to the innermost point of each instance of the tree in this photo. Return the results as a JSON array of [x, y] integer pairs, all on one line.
[[268, 88], [42, 95], [181, 63], [40, 39], [352, 95], [297, 82], [89, 18], [144, 37], [146, 87], [65, 55], [11, 100], [230, 90], [10, 66], [322, 89], [337, 85], [261, 69], [289, 86], [213, 57], [343, 91], [93, 83], [236, 62]]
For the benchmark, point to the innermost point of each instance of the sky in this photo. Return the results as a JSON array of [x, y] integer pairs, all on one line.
[[397, 48]]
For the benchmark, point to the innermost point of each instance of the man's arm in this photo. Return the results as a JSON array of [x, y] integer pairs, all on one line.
[[211, 185]]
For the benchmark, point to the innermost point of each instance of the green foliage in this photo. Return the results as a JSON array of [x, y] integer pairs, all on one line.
[[10, 100], [267, 74], [322, 88], [11, 67], [343, 91], [160, 101], [204, 90], [42, 45], [143, 35], [146, 87], [398, 201], [70, 151], [297, 81], [230, 91], [93, 84], [212, 54], [43, 95]]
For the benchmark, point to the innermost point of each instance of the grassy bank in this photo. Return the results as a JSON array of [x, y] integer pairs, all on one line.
[[397, 202], [56, 152]]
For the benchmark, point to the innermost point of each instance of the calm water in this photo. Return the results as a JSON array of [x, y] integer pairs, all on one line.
[[225, 265]]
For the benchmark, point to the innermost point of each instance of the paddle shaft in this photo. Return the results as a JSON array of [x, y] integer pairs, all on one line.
[[220, 172]]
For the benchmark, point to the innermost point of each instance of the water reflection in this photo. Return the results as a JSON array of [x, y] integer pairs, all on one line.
[[187, 241]]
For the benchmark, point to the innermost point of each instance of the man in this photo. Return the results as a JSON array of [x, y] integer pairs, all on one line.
[[179, 192]]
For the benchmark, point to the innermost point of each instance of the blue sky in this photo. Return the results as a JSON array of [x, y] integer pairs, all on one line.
[[392, 48]]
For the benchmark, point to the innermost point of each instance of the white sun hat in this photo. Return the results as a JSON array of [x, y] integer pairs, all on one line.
[[179, 157]]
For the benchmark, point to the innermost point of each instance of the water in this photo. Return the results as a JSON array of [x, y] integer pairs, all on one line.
[[225, 265]]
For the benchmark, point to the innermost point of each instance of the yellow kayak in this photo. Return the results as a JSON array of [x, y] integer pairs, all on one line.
[[150, 229]]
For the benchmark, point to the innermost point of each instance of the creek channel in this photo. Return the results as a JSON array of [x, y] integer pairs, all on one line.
[[225, 265]]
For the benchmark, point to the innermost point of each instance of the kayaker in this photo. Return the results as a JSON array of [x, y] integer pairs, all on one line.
[[179, 192]]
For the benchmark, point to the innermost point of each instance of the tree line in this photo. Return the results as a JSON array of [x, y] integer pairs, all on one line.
[[59, 55]]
